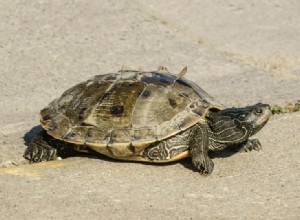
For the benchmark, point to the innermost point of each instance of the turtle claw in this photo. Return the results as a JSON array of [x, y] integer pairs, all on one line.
[[250, 145], [203, 164], [37, 154]]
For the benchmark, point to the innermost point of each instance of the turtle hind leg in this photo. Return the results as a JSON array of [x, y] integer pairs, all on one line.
[[43, 147], [40, 149]]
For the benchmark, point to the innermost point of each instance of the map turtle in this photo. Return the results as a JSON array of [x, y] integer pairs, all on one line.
[[152, 116]]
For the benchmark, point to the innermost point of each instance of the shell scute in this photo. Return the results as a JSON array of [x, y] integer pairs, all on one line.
[[144, 134], [121, 136], [97, 136], [57, 127], [185, 90], [77, 135], [115, 108]]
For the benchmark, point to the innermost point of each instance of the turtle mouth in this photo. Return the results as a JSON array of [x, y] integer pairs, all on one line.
[[265, 116]]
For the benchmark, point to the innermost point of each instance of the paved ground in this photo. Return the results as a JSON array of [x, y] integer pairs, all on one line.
[[241, 53]]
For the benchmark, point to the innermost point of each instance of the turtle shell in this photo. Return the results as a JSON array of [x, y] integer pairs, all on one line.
[[125, 109]]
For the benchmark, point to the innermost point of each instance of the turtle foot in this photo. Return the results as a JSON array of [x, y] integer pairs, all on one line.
[[250, 145], [203, 164], [39, 150]]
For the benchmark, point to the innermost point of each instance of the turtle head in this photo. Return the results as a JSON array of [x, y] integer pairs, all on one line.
[[236, 125]]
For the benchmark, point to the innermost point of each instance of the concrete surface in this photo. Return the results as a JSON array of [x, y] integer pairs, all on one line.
[[240, 52]]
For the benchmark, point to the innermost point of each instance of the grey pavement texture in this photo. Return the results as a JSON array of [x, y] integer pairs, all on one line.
[[241, 52]]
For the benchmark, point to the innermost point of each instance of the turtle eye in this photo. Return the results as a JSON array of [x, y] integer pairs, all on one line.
[[258, 111]]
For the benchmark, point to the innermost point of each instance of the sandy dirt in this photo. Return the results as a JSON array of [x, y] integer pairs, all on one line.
[[241, 53]]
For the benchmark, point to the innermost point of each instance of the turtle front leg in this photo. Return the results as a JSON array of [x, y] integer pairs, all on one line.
[[247, 146], [43, 147], [199, 145]]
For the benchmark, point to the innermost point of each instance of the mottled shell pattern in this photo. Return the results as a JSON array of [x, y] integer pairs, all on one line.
[[127, 108]]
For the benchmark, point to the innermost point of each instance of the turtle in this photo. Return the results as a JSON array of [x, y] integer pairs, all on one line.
[[147, 116]]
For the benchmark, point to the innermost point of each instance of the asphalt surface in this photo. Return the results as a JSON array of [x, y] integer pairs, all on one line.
[[239, 52]]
